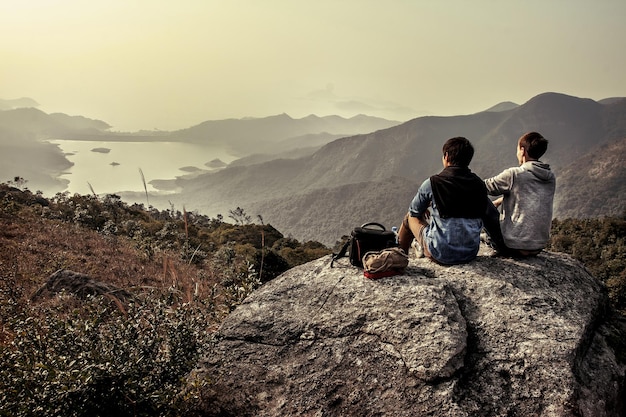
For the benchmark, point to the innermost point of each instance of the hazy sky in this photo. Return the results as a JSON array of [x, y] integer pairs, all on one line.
[[165, 64]]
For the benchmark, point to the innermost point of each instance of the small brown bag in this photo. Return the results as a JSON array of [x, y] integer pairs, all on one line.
[[384, 263]]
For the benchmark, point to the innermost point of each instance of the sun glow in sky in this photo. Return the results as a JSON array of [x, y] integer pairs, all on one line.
[[163, 64]]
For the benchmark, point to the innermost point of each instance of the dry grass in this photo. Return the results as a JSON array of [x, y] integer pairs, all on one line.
[[182, 293], [32, 248]]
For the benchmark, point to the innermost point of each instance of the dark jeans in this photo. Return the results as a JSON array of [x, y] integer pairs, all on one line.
[[491, 223]]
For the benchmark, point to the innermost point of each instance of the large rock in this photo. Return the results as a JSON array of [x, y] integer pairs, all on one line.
[[496, 337], [81, 285]]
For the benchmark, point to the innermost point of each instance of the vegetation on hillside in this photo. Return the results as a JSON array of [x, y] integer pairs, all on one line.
[[593, 185], [67, 356], [600, 244]]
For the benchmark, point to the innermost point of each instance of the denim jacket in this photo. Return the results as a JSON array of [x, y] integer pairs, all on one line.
[[451, 240]]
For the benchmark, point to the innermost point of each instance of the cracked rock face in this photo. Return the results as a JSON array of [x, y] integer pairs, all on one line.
[[493, 337]]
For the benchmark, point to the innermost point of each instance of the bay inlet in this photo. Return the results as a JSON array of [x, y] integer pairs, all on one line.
[[114, 166]]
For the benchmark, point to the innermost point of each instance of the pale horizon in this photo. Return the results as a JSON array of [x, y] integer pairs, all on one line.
[[147, 65]]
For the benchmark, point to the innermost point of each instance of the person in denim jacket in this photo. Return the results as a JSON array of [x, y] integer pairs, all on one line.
[[445, 216]]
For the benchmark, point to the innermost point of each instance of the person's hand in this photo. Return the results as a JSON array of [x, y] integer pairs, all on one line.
[[424, 219], [498, 202]]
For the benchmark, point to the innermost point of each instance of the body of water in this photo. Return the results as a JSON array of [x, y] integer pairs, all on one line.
[[112, 167]]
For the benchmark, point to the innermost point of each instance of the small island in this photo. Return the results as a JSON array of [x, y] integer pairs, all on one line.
[[101, 150], [190, 169], [216, 163]]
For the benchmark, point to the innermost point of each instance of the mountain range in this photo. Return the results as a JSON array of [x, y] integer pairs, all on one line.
[[280, 133], [373, 176], [24, 131], [26, 154], [316, 178]]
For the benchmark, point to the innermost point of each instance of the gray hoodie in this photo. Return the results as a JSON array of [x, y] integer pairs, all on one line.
[[526, 212]]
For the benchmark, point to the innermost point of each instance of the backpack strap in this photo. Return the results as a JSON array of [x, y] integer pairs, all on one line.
[[342, 252]]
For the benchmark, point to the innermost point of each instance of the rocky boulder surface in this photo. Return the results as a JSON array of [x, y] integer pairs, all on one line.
[[495, 337], [80, 285]]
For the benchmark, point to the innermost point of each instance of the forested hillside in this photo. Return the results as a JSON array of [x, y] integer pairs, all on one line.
[[595, 184], [600, 244]]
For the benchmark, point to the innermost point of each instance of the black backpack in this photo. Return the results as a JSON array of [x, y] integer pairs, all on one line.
[[369, 237]]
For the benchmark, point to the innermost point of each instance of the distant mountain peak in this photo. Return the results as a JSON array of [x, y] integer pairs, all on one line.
[[551, 97], [504, 106], [611, 100], [17, 103]]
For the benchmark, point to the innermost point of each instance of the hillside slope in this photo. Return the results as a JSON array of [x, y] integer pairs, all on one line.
[[277, 133], [402, 155], [25, 153], [594, 185], [310, 216]]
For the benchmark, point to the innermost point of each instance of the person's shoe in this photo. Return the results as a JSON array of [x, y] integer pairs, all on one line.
[[498, 254], [503, 253], [419, 252]]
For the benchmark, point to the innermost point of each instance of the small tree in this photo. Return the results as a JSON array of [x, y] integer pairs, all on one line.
[[239, 216], [18, 182]]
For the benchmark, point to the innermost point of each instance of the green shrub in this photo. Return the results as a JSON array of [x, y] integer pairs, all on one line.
[[98, 360], [600, 244], [69, 357]]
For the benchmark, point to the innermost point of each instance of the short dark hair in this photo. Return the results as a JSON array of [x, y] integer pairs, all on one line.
[[534, 144], [460, 151]]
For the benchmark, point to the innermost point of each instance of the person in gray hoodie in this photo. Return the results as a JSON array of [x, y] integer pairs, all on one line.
[[519, 221]]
